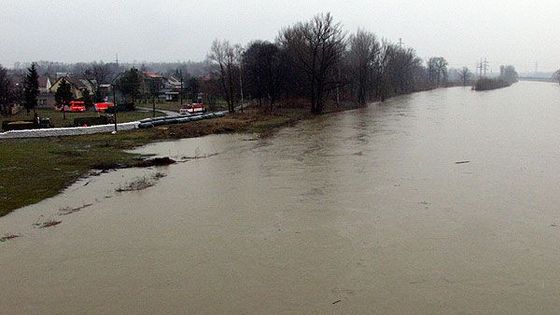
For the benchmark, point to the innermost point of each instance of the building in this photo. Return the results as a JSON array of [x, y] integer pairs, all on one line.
[[78, 86], [164, 88], [45, 99]]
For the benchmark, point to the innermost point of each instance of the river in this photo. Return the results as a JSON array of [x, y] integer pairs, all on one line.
[[439, 202]]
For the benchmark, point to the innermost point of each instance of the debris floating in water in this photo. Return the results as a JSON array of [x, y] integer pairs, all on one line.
[[462, 162], [47, 224], [8, 237], [70, 210]]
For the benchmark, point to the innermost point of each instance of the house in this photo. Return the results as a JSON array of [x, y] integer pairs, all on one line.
[[78, 86], [152, 83], [164, 88], [45, 99]]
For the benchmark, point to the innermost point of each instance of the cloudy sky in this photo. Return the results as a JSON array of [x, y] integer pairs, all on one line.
[[505, 31]]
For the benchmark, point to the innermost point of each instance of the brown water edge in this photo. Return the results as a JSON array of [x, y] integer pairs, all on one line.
[[361, 212]]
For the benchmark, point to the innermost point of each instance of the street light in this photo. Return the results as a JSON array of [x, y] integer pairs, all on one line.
[[113, 85]]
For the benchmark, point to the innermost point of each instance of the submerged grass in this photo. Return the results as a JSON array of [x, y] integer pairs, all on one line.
[[35, 169]]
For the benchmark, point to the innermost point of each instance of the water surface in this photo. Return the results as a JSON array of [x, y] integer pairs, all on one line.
[[365, 211]]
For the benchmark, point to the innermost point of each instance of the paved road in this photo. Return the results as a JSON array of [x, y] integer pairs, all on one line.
[[166, 112], [70, 131], [74, 131]]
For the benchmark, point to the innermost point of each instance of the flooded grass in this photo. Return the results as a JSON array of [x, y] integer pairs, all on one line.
[[140, 183], [70, 210], [8, 237], [55, 163], [47, 224]]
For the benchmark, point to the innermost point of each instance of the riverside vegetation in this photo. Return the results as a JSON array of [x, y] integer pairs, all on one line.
[[313, 67], [508, 76], [55, 163]]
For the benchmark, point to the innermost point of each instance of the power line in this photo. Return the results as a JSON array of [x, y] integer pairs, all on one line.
[[483, 67]]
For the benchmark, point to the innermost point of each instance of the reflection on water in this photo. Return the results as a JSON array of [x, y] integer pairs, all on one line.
[[357, 212]]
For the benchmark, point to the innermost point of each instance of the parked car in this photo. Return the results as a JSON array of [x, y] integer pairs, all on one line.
[[77, 106], [102, 107]]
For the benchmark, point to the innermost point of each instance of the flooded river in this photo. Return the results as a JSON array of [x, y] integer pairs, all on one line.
[[439, 202]]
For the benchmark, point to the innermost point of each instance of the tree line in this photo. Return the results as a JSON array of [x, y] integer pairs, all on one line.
[[318, 62], [311, 63]]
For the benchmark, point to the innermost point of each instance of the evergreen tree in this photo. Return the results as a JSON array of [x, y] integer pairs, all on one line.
[[63, 96], [31, 88], [87, 98]]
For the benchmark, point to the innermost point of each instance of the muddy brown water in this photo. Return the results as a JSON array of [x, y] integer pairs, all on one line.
[[440, 202]]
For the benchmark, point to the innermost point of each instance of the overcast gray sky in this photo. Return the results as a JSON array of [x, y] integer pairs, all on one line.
[[505, 31]]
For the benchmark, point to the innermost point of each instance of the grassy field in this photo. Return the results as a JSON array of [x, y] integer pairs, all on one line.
[[175, 106], [58, 121], [34, 169]]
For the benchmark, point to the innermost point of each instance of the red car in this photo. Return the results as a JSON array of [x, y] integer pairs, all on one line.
[[102, 107], [77, 106]]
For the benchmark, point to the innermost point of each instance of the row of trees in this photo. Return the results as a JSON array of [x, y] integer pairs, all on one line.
[[318, 61], [310, 63], [25, 92]]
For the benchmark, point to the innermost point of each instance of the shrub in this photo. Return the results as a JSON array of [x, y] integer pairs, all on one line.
[[18, 125], [490, 84], [127, 107], [91, 121]]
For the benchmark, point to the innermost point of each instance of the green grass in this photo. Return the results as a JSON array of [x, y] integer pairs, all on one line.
[[58, 121], [175, 106], [34, 169]]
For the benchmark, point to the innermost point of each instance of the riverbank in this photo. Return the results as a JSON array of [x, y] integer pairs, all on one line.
[[486, 84], [55, 163], [319, 218], [58, 121]]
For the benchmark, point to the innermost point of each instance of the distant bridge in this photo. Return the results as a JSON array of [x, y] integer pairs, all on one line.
[[537, 79]]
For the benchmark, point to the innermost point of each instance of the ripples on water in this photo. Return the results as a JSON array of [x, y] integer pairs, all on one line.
[[356, 212]]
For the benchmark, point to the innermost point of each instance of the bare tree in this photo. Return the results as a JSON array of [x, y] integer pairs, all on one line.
[[6, 91], [222, 56], [362, 60], [316, 48], [264, 68], [465, 75], [556, 76], [437, 70], [97, 74]]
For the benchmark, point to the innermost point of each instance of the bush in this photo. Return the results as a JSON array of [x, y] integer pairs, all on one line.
[[485, 84], [127, 107], [91, 121], [45, 123], [18, 125]]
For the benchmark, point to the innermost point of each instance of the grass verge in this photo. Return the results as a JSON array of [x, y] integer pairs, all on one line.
[[35, 169], [58, 121]]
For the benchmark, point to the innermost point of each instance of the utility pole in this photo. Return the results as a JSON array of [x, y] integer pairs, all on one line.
[[153, 106], [181, 92], [536, 68], [115, 107], [482, 67]]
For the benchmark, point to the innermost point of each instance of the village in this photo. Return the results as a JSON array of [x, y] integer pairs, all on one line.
[[67, 99]]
